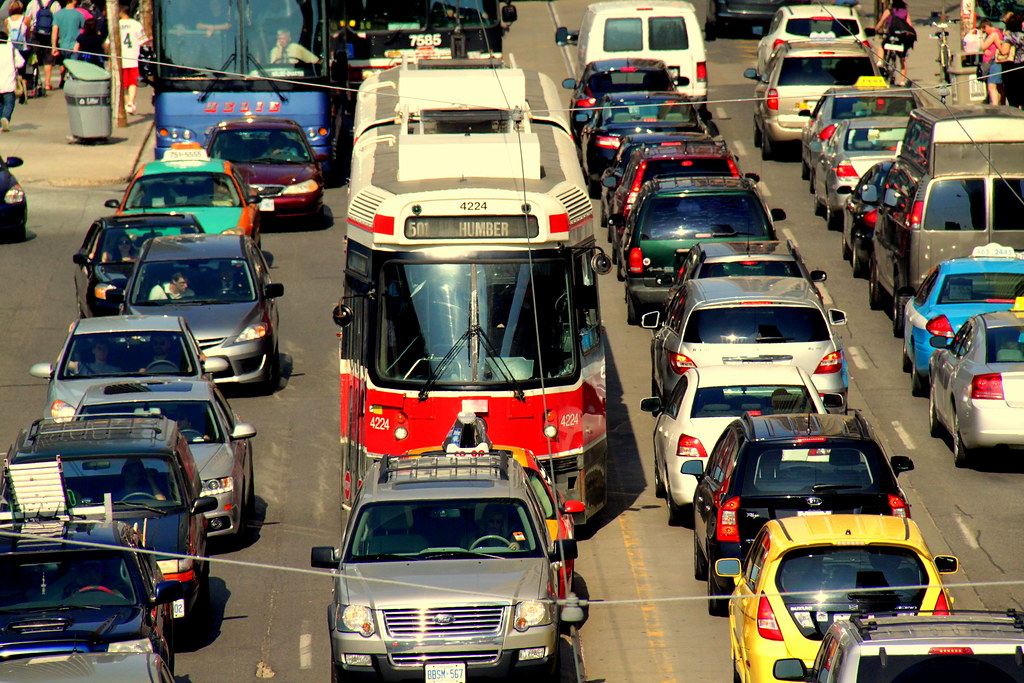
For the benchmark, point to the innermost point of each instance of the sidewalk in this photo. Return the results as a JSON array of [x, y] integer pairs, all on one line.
[[40, 135]]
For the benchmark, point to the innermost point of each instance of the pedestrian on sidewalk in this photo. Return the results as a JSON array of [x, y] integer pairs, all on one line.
[[991, 69], [10, 61], [1013, 69], [89, 47], [18, 27], [40, 14], [133, 37], [67, 24]]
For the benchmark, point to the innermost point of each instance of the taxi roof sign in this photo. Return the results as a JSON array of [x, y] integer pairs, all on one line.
[[186, 151], [871, 83], [994, 249], [1018, 306]]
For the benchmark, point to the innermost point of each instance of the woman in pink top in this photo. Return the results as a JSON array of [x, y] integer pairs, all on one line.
[[992, 69]]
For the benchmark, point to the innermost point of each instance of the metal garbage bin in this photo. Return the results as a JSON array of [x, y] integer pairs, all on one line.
[[87, 93]]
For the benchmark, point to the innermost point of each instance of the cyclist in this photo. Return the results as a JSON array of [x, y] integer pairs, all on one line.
[[894, 25]]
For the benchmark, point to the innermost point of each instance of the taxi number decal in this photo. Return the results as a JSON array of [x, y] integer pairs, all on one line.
[[380, 422], [570, 419], [425, 40], [473, 206]]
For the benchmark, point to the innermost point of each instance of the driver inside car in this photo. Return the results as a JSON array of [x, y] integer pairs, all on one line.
[[495, 526], [166, 355], [95, 576], [137, 483]]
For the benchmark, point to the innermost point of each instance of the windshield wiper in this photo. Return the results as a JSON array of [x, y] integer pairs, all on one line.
[[51, 608], [141, 506], [219, 74], [471, 331], [835, 487], [272, 160], [440, 554], [266, 76], [517, 390], [385, 557], [773, 338]]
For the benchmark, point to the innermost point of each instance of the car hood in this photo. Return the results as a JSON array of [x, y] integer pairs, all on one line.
[[214, 219], [167, 533], [209, 321], [277, 174], [19, 631], [212, 459], [383, 585]]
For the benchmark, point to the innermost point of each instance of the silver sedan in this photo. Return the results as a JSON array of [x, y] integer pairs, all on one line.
[[977, 392], [703, 403]]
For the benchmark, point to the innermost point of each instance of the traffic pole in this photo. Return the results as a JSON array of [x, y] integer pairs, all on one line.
[[120, 117]]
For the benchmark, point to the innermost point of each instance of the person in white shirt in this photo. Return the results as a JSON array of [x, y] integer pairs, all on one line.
[[177, 288], [10, 61], [133, 37], [287, 52]]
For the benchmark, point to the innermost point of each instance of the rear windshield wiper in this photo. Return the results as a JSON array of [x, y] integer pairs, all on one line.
[[776, 339], [835, 487]]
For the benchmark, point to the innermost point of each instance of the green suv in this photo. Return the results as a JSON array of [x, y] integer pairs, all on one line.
[[671, 216]]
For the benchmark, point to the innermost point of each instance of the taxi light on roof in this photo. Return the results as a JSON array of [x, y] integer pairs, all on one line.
[[186, 151], [1018, 304], [867, 82], [994, 250]]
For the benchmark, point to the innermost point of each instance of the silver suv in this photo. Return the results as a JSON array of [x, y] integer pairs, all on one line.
[[446, 573], [965, 646]]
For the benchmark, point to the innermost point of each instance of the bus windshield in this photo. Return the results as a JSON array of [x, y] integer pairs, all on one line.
[[257, 38], [475, 323], [394, 15]]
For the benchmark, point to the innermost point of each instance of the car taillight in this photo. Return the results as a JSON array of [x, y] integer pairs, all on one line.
[[733, 168], [951, 651], [988, 386], [939, 327], [638, 179], [767, 626], [778, 41], [702, 72], [690, 447], [607, 141], [941, 606], [830, 362], [680, 363], [728, 529], [636, 260], [846, 170], [870, 217], [826, 132], [867, 44], [916, 215], [898, 506], [772, 99], [586, 102]]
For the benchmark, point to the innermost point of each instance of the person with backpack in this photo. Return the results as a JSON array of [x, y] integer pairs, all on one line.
[[895, 24], [40, 13], [67, 25], [17, 25]]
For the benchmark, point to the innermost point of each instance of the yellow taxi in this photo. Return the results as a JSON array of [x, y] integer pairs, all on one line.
[[803, 573], [186, 180]]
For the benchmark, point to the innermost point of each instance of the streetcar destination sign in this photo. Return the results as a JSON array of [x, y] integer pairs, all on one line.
[[470, 227]]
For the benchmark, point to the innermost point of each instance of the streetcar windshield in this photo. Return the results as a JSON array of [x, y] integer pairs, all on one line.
[[255, 38], [475, 323], [394, 15]]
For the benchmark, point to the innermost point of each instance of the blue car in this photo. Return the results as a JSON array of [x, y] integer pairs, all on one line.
[[953, 291]]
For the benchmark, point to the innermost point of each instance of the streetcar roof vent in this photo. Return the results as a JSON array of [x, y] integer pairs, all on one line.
[[473, 89], [459, 156], [577, 204], [363, 207]]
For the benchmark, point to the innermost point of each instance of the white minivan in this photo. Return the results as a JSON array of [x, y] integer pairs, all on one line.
[[666, 29]]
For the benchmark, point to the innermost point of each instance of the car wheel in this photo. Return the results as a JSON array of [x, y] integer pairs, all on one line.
[[675, 513], [615, 252], [810, 182], [845, 249], [832, 221], [767, 153], [860, 268], [717, 605], [631, 312], [961, 454], [620, 271], [700, 563], [876, 299], [805, 170], [899, 308], [935, 427], [907, 365], [918, 384], [819, 206], [250, 494], [334, 671], [757, 136], [659, 483]]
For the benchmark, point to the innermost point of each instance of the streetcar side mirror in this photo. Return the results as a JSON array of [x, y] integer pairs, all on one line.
[[601, 264], [509, 13], [342, 315]]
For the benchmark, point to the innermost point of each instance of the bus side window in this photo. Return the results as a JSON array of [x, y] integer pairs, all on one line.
[[586, 303]]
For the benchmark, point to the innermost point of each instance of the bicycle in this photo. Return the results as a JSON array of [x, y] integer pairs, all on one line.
[[894, 49], [941, 23]]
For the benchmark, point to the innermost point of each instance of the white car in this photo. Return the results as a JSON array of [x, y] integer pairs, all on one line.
[[798, 22], [703, 403]]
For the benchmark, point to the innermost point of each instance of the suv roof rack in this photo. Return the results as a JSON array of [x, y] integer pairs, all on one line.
[[865, 624], [97, 427], [443, 466]]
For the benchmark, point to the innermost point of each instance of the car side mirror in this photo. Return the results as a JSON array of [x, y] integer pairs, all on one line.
[[167, 591], [946, 564], [753, 177], [650, 320], [509, 14], [215, 364], [243, 430], [204, 504], [695, 468], [112, 203], [564, 36], [610, 181], [790, 670], [818, 276], [651, 404], [14, 162], [901, 463], [751, 74], [41, 370], [273, 290], [324, 557], [573, 507], [870, 32], [891, 198], [804, 112], [939, 342], [836, 317], [115, 296], [569, 83], [712, 129], [565, 549], [835, 401], [844, 189], [727, 567], [80, 259], [778, 214], [681, 81], [254, 199]]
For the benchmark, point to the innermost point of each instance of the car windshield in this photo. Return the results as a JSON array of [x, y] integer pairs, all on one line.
[[804, 469], [277, 146], [676, 168], [132, 481], [71, 578], [193, 281], [873, 139], [751, 324], [937, 668], [749, 268], [822, 584], [823, 27], [652, 112], [629, 80], [122, 244], [756, 399], [485, 323], [443, 529], [1004, 344], [857, 106], [824, 71], [174, 190], [972, 288], [123, 354], [702, 216], [196, 419], [395, 15]]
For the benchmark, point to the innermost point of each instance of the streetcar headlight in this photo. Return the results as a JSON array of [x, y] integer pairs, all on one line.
[[358, 619], [550, 431], [401, 433]]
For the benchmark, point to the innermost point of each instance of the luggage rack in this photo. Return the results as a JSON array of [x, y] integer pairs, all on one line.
[[99, 427], [436, 466], [36, 492]]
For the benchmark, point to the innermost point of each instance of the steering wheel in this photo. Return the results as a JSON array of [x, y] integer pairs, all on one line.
[[193, 435], [162, 365], [480, 541], [136, 494]]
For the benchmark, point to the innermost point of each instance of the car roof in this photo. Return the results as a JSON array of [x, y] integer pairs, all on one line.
[[875, 122], [815, 46], [442, 477], [1002, 319], [618, 63], [732, 251], [258, 123], [747, 374], [630, 97], [129, 323], [620, 6], [104, 436], [142, 220], [981, 264], [93, 531], [741, 289], [959, 628], [170, 247], [792, 426], [832, 11], [847, 529], [702, 183], [158, 167], [695, 148], [147, 390]]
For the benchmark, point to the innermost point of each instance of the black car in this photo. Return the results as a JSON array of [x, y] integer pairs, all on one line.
[[110, 249], [630, 114], [607, 76], [775, 466], [59, 598], [13, 208], [860, 215], [145, 464]]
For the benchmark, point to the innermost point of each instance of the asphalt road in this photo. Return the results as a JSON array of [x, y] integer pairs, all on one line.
[[648, 623]]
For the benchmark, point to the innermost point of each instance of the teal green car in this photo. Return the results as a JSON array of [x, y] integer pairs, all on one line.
[[670, 216]]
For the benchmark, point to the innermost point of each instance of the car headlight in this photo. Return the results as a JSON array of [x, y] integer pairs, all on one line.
[[211, 487], [304, 187], [357, 619], [253, 332], [531, 613], [100, 290], [178, 565], [140, 645], [62, 411], [237, 230], [15, 195]]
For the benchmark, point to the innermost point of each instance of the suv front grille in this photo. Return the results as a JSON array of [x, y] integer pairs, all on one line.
[[421, 658], [444, 621]]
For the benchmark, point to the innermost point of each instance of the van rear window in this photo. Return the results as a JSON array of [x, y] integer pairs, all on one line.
[[824, 70], [668, 33], [1007, 203], [747, 324], [991, 668], [702, 216], [956, 204], [823, 27], [623, 35], [629, 81]]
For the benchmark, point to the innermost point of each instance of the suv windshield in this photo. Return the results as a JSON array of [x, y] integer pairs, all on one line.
[[132, 481], [694, 216], [760, 399], [443, 529], [822, 584], [807, 468], [31, 581], [824, 71], [756, 325]]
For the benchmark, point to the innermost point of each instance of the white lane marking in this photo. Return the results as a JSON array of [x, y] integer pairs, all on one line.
[[788, 234], [720, 113], [306, 651], [740, 148], [856, 357], [966, 531], [904, 436], [565, 48]]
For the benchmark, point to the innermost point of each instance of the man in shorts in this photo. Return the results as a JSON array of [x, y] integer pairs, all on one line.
[[133, 37], [40, 15], [67, 24]]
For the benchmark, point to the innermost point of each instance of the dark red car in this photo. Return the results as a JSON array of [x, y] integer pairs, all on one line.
[[274, 156]]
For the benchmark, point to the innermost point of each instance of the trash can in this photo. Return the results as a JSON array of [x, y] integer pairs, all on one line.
[[87, 93]]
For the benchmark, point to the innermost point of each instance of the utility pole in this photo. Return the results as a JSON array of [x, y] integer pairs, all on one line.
[[146, 10], [114, 33]]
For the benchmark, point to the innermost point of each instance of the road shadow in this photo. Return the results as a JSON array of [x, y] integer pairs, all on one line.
[[313, 223], [202, 628]]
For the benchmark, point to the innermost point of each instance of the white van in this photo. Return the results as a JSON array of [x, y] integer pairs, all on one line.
[[666, 29]]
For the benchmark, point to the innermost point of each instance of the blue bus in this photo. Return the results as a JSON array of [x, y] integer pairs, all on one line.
[[232, 58]]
